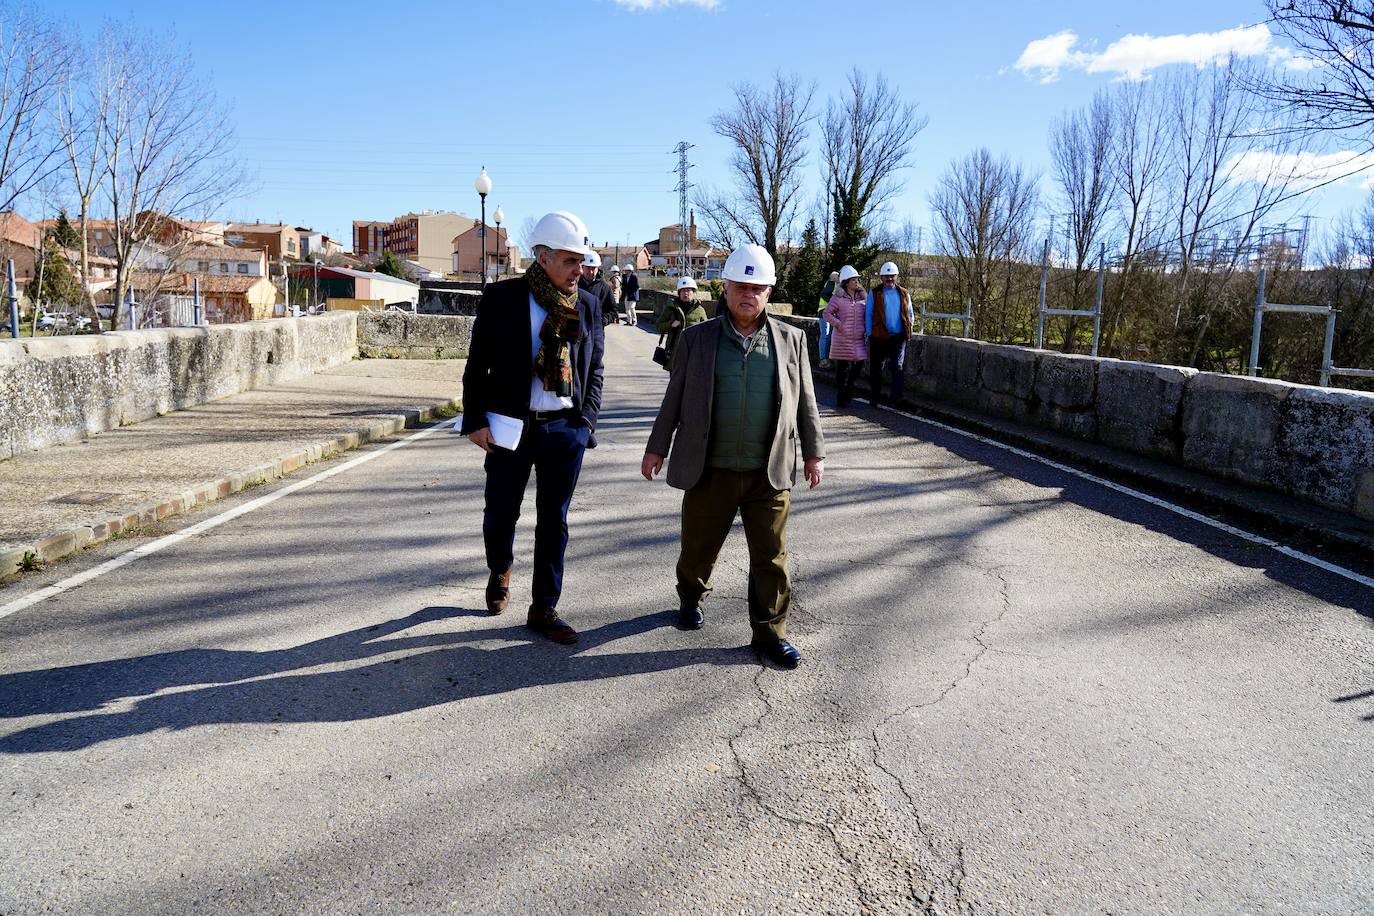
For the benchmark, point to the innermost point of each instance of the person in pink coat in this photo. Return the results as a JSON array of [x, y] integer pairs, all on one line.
[[848, 347]]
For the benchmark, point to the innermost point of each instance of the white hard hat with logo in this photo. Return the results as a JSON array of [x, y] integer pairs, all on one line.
[[847, 273], [888, 269], [686, 283], [592, 259], [561, 231], [750, 264]]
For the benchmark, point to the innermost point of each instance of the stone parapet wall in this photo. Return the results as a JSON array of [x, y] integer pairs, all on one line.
[[1316, 444], [61, 389], [399, 335]]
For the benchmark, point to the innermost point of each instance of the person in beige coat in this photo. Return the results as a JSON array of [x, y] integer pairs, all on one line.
[[739, 404]]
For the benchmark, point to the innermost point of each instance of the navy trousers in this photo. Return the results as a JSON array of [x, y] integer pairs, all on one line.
[[889, 353], [553, 449]]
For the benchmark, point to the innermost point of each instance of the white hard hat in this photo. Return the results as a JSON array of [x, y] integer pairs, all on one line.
[[750, 264], [561, 231], [615, 268], [686, 283], [888, 269], [629, 266], [834, 275], [592, 259], [847, 273]]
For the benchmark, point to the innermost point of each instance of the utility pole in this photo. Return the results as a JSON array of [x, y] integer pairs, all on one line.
[[682, 186]]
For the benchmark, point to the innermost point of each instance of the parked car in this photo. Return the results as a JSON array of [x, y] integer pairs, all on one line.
[[60, 321]]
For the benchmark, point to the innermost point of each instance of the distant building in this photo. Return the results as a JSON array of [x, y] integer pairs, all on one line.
[[225, 298], [425, 238], [368, 239], [224, 260], [316, 244], [637, 255], [474, 254], [281, 242], [346, 283]]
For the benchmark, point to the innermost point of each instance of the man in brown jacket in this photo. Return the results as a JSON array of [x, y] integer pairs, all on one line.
[[738, 401]]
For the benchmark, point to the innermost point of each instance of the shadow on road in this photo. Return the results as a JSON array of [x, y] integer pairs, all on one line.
[[259, 687]]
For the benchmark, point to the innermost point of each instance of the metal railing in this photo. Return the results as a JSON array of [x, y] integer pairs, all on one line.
[[1095, 313], [1263, 306]]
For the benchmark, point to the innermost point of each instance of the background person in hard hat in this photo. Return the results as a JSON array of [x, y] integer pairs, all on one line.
[[540, 320], [739, 400], [827, 290], [889, 324], [680, 316], [629, 294], [591, 267], [845, 313], [614, 280]]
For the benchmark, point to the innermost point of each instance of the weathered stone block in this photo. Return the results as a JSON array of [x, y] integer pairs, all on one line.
[[953, 365], [1326, 444], [1231, 426], [1066, 381], [1009, 370], [1138, 407]]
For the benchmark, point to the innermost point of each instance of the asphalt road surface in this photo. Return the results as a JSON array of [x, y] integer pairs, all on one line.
[[1021, 693]]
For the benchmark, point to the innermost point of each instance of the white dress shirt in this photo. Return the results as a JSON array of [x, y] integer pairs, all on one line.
[[540, 399]]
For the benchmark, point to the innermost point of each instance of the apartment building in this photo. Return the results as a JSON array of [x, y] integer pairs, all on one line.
[[425, 238]]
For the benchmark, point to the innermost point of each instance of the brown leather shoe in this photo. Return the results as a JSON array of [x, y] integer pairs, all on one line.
[[498, 592], [551, 625]]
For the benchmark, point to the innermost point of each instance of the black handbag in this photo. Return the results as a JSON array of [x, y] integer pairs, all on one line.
[[661, 352]]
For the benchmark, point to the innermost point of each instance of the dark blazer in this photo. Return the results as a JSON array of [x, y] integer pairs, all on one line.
[[601, 290], [497, 376], [629, 288], [684, 420]]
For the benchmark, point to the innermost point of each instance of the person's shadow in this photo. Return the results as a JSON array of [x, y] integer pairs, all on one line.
[[246, 686]]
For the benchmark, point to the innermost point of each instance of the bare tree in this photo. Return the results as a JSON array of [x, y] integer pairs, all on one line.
[[867, 138], [984, 209], [1333, 89], [33, 54], [1081, 152], [82, 115], [168, 149], [1139, 158], [1229, 173], [767, 129]]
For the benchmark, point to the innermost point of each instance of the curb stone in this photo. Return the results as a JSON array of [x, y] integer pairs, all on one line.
[[62, 544]]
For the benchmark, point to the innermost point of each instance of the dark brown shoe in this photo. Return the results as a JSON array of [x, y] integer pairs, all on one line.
[[551, 625], [498, 592]]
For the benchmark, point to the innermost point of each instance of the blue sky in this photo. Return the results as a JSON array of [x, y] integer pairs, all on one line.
[[365, 111]]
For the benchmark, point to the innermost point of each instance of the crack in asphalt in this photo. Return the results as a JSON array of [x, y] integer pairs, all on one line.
[[744, 780], [958, 872]]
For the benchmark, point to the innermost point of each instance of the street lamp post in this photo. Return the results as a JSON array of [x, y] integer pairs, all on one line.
[[316, 303], [483, 186], [498, 216]]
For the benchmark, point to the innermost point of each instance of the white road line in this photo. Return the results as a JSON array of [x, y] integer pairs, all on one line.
[[162, 543], [1152, 500]]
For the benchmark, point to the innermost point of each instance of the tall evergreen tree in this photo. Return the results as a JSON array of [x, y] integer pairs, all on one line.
[[64, 233], [391, 266], [803, 281]]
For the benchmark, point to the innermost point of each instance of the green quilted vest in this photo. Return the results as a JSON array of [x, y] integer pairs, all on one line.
[[742, 409]]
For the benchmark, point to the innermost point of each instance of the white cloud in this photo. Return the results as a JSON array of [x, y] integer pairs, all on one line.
[[643, 6], [1302, 170], [1134, 56]]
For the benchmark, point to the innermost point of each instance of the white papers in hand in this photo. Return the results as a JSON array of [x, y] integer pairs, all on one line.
[[505, 431]]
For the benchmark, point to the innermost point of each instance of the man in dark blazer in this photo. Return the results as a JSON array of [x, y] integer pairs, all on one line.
[[534, 368], [739, 403]]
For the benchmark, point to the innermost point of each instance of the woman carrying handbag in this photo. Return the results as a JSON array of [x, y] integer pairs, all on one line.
[[677, 318]]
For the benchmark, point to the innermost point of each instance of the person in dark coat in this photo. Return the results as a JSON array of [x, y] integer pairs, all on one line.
[[592, 283], [531, 398], [629, 294]]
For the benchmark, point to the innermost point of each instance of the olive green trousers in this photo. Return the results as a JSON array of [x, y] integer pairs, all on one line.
[[708, 511]]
